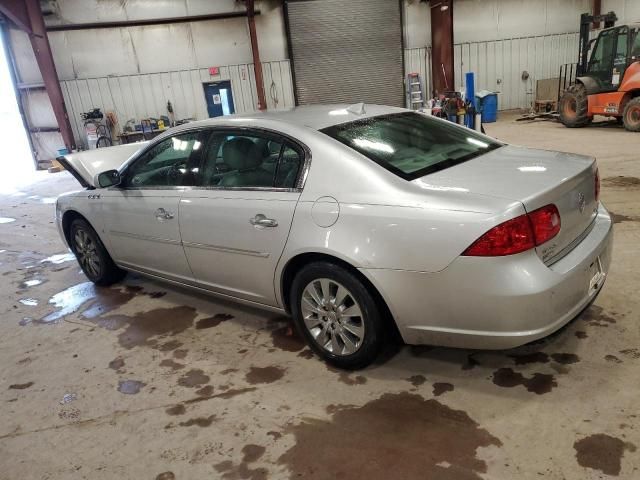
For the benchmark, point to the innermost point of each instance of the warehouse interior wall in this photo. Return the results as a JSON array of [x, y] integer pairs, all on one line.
[[628, 11]]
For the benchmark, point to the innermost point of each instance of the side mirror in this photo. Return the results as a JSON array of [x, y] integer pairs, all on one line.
[[109, 178]]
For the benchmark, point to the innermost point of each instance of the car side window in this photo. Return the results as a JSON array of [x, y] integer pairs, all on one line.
[[248, 161], [288, 167], [170, 163]]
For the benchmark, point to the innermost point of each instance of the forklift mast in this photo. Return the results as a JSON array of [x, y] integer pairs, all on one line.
[[586, 20]]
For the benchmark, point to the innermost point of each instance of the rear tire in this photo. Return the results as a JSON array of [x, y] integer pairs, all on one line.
[[337, 316], [574, 107], [631, 115], [95, 261]]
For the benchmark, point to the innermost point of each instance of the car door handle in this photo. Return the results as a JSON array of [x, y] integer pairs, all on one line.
[[261, 220], [162, 214]]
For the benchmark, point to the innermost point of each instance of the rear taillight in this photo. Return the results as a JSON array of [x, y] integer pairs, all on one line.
[[546, 223], [518, 234], [597, 185]]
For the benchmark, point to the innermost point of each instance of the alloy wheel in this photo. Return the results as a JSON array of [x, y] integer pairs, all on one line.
[[87, 252], [332, 316]]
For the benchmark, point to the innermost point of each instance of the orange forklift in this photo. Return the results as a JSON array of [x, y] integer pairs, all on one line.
[[609, 82]]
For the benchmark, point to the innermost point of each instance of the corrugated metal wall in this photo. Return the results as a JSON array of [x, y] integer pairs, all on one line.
[[146, 95], [499, 64], [418, 60]]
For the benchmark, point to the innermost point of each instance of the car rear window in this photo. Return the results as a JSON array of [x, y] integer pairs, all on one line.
[[411, 144]]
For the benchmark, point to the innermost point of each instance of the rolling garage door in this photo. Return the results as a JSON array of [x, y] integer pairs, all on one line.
[[346, 51]]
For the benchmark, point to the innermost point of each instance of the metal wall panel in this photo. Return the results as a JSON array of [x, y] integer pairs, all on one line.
[[418, 60], [146, 95], [499, 64], [347, 52]]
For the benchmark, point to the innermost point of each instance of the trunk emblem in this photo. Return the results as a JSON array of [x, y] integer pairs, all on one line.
[[581, 202]]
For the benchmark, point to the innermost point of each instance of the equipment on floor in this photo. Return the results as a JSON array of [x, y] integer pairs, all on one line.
[[415, 99], [609, 82]]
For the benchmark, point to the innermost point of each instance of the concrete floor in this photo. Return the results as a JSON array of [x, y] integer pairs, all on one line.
[[147, 381]]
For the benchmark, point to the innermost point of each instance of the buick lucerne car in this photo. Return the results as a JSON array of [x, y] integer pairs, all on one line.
[[361, 223]]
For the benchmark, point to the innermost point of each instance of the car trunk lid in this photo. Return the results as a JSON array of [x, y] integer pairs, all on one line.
[[535, 178], [84, 166]]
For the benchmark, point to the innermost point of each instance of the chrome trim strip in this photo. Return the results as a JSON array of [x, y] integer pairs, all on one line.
[[193, 285], [145, 237], [218, 248]]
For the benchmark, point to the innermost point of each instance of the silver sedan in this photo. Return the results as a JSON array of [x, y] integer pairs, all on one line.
[[358, 221]]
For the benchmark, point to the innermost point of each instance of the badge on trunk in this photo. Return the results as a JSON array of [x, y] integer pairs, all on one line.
[[582, 203]]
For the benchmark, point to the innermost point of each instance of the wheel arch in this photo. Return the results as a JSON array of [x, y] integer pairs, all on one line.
[[630, 95], [590, 84], [297, 262], [67, 219]]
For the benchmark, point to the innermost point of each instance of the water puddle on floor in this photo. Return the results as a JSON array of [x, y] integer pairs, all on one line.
[[69, 301], [130, 387], [59, 258], [30, 302], [31, 283], [7, 219]]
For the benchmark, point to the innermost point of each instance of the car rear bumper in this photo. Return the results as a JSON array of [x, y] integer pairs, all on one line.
[[498, 302]]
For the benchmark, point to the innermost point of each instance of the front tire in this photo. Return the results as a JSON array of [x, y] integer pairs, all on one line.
[[336, 314], [574, 107], [631, 115], [95, 261]]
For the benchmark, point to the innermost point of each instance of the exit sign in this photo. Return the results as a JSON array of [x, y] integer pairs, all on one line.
[[214, 70]]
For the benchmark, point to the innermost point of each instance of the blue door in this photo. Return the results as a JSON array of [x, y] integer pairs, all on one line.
[[219, 98]]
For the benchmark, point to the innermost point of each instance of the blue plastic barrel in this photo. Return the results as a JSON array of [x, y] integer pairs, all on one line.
[[488, 107]]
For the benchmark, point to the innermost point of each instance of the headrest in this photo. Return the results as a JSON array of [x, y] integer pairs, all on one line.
[[240, 154]]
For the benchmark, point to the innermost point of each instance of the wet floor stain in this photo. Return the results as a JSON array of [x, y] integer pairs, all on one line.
[[166, 476], [417, 380], [565, 358], [176, 410], [597, 317], [193, 378], [30, 283], [441, 387], [602, 452], [306, 354], [631, 352], [581, 335], [350, 380], [20, 386], [286, 338], [6, 220], [213, 321], [622, 181], [233, 392], [205, 391], [142, 327], [539, 383], [441, 442], [180, 353], [169, 346], [199, 421], [117, 364], [612, 359], [30, 302], [59, 258], [250, 454], [619, 218], [130, 387], [264, 374], [173, 365]]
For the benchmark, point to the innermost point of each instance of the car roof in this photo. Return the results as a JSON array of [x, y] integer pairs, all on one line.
[[316, 117]]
